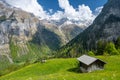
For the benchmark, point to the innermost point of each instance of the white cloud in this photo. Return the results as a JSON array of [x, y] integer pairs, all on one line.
[[85, 13], [98, 10], [31, 6], [57, 16], [69, 11], [51, 11], [82, 14]]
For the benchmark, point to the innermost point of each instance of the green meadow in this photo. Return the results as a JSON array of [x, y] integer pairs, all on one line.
[[66, 69]]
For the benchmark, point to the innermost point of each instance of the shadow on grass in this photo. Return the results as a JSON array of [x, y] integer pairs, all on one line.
[[75, 70]]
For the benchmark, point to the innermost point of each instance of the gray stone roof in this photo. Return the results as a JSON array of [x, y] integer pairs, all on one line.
[[87, 59]]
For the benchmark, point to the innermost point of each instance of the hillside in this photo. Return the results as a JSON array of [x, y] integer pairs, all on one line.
[[66, 69], [106, 27]]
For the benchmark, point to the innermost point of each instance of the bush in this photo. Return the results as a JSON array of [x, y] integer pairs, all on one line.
[[110, 49], [91, 53]]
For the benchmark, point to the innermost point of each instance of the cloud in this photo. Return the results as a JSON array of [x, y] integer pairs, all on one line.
[[31, 6], [51, 11], [57, 16], [69, 11], [98, 10], [82, 14]]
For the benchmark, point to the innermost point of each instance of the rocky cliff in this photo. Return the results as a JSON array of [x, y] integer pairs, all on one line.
[[21, 28]]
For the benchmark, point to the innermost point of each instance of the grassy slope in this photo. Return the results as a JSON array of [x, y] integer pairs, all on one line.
[[63, 69]]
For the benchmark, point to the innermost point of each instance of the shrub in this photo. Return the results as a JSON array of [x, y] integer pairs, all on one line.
[[91, 53], [110, 49]]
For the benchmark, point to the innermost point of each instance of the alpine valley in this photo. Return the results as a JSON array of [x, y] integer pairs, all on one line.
[[29, 37], [24, 36]]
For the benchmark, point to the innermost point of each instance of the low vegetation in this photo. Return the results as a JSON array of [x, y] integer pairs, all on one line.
[[102, 47], [66, 69], [37, 53], [34, 55]]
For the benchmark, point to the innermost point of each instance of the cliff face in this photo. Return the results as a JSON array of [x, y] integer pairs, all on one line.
[[15, 25], [19, 28]]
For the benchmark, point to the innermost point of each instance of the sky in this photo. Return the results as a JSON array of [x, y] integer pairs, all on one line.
[[82, 11], [53, 4]]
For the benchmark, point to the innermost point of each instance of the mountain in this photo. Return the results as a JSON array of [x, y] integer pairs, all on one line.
[[24, 35], [105, 27], [66, 29], [71, 22], [19, 30]]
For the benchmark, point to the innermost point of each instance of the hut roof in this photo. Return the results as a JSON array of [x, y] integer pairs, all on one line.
[[88, 59]]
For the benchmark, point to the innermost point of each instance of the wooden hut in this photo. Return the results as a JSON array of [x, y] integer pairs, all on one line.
[[89, 64]]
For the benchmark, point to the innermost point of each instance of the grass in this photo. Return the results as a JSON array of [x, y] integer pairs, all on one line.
[[65, 69], [32, 54]]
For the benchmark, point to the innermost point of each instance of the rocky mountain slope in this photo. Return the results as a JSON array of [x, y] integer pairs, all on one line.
[[65, 30], [73, 25], [19, 29], [105, 27]]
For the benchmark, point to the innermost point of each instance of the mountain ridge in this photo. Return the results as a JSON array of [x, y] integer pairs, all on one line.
[[105, 27], [20, 29]]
